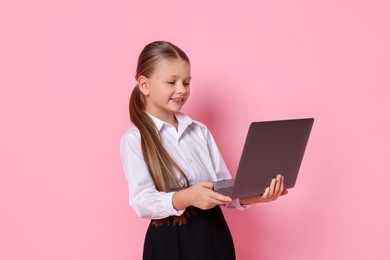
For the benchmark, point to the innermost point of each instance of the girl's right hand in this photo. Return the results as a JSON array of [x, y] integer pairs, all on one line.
[[200, 195]]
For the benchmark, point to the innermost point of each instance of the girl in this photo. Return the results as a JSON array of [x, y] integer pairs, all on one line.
[[170, 162]]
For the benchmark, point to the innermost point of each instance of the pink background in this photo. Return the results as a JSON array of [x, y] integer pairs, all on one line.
[[66, 74]]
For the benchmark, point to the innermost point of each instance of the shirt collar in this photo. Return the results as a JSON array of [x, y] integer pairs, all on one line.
[[183, 121]]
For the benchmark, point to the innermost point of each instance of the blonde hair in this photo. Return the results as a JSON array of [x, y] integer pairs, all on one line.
[[165, 173]]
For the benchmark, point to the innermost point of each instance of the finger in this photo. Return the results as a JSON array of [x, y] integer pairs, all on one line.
[[220, 197], [282, 190], [266, 193], [207, 184], [272, 187], [215, 202], [278, 185], [274, 193]]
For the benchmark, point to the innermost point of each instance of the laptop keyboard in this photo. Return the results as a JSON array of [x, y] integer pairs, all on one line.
[[226, 191]]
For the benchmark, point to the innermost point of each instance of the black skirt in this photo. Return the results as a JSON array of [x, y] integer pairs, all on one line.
[[205, 236]]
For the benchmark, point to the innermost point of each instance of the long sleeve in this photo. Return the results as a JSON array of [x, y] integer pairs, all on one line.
[[145, 200]]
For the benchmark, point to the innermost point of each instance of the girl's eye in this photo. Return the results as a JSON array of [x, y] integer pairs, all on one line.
[[187, 84], [171, 82]]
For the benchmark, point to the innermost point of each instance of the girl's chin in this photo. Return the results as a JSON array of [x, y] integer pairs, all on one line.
[[176, 110], [177, 106]]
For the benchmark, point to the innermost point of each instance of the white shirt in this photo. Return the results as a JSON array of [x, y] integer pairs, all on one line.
[[194, 150]]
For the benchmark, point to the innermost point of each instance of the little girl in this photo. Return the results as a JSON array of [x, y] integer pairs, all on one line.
[[170, 162]]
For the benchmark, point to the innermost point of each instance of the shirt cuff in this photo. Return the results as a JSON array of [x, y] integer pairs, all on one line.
[[236, 204], [168, 204]]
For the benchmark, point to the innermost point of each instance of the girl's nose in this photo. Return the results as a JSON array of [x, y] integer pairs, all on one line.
[[181, 88]]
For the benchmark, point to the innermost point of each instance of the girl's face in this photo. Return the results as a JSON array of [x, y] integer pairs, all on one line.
[[167, 89]]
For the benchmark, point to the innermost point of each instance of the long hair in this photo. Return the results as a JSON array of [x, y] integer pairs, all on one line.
[[165, 173]]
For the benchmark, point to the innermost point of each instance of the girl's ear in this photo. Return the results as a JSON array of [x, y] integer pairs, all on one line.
[[143, 84]]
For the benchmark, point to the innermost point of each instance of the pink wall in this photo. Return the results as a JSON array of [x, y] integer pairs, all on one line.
[[66, 73]]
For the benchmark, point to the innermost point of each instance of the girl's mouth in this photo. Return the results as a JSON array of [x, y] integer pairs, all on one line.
[[179, 101]]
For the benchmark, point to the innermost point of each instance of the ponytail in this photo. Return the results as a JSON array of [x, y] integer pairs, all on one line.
[[161, 166], [164, 171]]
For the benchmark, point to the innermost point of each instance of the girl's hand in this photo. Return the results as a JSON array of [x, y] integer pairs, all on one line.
[[271, 193], [200, 195]]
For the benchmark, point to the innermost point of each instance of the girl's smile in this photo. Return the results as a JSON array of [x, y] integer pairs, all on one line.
[[179, 101]]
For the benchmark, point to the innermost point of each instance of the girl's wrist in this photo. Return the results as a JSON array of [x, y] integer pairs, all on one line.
[[246, 201], [243, 202], [180, 200]]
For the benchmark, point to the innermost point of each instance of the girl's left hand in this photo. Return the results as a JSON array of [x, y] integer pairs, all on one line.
[[271, 193]]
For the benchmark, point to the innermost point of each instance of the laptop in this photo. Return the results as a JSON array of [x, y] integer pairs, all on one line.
[[271, 148]]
